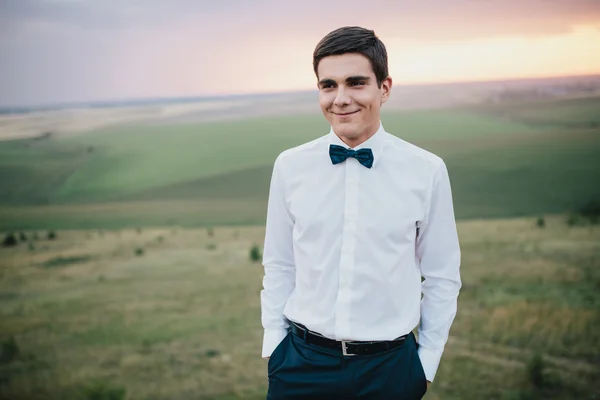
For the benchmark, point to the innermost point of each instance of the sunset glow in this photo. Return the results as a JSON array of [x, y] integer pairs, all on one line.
[[411, 61], [574, 53], [55, 51]]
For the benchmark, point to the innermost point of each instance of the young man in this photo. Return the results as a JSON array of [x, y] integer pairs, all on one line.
[[355, 219]]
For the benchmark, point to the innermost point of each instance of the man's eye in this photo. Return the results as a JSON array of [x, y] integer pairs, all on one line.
[[327, 86], [357, 83]]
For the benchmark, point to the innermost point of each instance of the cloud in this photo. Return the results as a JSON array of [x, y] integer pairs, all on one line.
[[116, 14], [442, 20], [426, 19]]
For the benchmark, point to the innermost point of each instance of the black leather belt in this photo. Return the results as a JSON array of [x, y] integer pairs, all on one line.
[[347, 348]]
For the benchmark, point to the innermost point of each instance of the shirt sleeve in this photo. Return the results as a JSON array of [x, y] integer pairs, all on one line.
[[439, 253], [278, 260]]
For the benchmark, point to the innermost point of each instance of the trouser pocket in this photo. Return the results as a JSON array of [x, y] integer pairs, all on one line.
[[278, 355]]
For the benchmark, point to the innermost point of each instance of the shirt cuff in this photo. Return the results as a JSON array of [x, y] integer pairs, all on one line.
[[271, 339], [430, 361]]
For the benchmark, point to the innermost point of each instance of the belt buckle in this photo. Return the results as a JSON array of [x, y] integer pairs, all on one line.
[[345, 349]]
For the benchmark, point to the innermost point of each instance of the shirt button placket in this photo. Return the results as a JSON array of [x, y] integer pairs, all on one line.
[[346, 267]]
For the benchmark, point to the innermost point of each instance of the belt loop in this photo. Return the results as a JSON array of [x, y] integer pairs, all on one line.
[[303, 329]]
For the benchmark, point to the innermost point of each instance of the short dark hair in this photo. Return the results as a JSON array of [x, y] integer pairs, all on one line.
[[354, 39]]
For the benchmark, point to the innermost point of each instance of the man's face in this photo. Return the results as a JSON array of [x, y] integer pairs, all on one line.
[[350, 97]]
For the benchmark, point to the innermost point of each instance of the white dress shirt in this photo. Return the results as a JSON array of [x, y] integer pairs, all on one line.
[[346, 246]]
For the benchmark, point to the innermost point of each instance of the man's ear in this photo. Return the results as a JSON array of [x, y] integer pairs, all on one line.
[[386, 89]]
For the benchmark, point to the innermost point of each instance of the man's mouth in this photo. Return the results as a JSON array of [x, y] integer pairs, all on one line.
[[343, 114]]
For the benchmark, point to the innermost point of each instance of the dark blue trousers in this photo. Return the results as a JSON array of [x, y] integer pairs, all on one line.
[[303, 371]]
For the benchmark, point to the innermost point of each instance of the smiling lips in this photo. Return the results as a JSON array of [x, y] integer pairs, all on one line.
[[346, 113]]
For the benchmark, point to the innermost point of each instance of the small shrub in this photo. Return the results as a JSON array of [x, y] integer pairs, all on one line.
[[255, 254], [139, 251], [211, 353], [10, 240], [31, 246], [541, 222], [35, 236], [146, 346], [138, 230], [160, 239], [51, 235], [210, 232], [587, 213], [22, 237], [535, 370], [591, 211], [211, 246], [9, 351], [101, 390], [572, 220]]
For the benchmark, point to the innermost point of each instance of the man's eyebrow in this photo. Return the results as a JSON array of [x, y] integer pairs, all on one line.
[[350, 79], [357, 78], [327, 81]]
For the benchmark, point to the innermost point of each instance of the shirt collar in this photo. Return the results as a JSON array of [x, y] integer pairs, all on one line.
[[375, 142]]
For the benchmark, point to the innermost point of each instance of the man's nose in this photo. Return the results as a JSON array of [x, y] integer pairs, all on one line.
[[342, 98]]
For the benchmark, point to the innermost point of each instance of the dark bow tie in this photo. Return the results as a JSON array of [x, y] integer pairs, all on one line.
[[339, 154]]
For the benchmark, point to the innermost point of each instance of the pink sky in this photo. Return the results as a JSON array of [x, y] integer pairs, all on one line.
[[54, 51]]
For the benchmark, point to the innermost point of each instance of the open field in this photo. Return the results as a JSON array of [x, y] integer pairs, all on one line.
[[505, 160], [182, 320], [148, 291]]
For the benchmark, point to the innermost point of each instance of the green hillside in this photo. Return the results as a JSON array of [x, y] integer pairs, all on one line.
[[503, 161]]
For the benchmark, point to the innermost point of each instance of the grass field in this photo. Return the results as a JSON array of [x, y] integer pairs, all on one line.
[[504, 161], [181, 320], [148, 292]]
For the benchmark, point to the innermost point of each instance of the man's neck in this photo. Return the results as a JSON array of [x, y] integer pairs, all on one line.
[[361, 138]]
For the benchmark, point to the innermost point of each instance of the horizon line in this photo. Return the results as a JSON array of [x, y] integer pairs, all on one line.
[[115, 102]]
